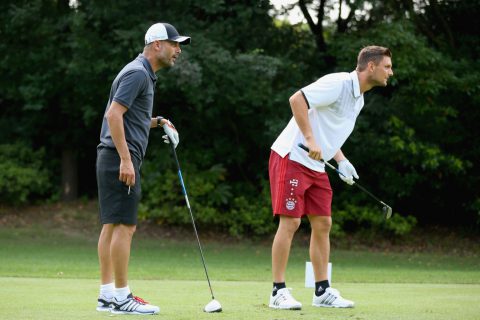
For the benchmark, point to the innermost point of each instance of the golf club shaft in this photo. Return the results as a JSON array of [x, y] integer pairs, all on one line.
[[304, 147], [184, 190]]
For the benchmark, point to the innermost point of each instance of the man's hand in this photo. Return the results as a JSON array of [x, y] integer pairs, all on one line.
[[348, 171], [127, 172], [171, 134], [314, 151]]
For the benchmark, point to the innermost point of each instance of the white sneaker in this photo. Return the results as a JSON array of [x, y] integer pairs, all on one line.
[[133, 305], [284, 300], [104, 304], [331, 299]]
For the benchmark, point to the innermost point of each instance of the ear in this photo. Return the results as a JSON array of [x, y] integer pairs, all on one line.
[[371, 66], [158, 45]]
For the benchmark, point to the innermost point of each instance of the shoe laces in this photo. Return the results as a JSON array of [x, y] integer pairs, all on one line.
[[286, 294], [334, 292], [138, 299]]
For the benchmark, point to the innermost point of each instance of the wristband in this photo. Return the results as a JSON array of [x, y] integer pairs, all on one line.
[[159, 119]]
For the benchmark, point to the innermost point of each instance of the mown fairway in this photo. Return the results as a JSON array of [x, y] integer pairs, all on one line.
[[53, 273], [74, 299]]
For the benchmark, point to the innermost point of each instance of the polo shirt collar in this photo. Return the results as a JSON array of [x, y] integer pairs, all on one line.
[[147, 66], [356, 84]]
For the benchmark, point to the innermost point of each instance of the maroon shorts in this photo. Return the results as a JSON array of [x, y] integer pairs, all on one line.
[[297, 190]]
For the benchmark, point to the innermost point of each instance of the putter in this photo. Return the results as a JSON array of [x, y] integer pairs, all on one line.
[[214, 305], [386, 209]]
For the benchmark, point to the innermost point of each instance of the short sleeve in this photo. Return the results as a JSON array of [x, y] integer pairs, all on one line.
[[322, 92], [130, 86]]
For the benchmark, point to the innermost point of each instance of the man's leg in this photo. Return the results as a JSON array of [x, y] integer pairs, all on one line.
[[120, 252], [281, 297], [281, 246], [324, 295], [104, 258], [106, 269], [123, 301], [320, 245]]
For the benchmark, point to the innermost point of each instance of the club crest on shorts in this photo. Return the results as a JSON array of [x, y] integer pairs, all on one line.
[[290, 205]]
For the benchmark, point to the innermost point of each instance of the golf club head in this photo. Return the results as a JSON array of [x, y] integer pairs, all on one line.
[[213, 306], [387, 211]]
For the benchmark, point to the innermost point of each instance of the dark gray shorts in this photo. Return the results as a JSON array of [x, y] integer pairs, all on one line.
[[116, 205]]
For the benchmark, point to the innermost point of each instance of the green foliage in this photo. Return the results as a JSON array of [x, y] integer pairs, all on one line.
[[409, 132], [23, 177], [370, 222], [415, 143], [213, 204], [252, 215]]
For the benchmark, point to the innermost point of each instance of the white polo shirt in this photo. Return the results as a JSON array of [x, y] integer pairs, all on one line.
[[334, 103]]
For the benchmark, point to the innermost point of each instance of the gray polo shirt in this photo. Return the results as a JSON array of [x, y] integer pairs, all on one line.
[[133, 88]]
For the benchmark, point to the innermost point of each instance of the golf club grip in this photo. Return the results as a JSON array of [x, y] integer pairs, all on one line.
[[304, 147], [174, 154], [179, 172]]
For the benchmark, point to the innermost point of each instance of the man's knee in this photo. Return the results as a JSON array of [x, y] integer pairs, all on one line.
[[289, 224], [127, 229], [320, 223]]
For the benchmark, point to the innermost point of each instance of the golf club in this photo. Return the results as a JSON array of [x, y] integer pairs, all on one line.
[[214, 305], [386, 209]]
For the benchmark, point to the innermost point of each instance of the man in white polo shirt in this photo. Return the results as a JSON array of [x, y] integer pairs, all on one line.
[[324, 115]]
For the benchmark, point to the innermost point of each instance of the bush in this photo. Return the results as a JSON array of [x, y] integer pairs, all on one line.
[[238, 208], [22, 175], [370, 221], [252, 214], [214, 206]]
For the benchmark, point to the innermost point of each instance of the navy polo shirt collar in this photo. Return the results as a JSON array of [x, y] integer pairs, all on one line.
[[147, 66]]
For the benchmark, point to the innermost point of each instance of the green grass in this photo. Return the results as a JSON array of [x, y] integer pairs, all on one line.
[[73, 299], [54, 273]]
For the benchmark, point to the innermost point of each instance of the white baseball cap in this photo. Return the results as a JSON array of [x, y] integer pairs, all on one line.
[[164, 31]]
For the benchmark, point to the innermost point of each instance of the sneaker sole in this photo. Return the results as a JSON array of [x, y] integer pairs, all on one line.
[[280, 308], [133, 312], [103, 309], [330, 306]]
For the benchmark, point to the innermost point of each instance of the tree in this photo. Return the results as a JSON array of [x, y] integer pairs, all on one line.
[[35, 54], [430, 95], [228, 96]]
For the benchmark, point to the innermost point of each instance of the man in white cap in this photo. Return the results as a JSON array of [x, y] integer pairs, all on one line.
[[123, 143]]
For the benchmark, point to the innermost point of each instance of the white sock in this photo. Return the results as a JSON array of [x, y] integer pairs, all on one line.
[[107, 290], [122, 293]]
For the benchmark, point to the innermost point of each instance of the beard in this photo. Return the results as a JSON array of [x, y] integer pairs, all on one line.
[[379, 82]]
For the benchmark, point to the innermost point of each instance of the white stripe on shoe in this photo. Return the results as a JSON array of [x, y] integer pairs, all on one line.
[[284, 300], [131, 305], [331, 299]]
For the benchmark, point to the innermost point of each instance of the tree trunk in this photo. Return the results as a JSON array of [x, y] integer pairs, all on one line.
[[69, 175]]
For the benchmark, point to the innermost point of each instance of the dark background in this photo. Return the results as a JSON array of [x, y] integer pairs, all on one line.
[[415, 145]]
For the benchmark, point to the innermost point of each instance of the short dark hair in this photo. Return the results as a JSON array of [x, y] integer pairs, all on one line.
[[371, 53]]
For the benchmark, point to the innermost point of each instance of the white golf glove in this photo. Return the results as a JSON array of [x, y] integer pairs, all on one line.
[[171, 134], [348, 171]]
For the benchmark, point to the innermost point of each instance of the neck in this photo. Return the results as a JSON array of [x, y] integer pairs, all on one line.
[[151, 59], [365, 84]]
